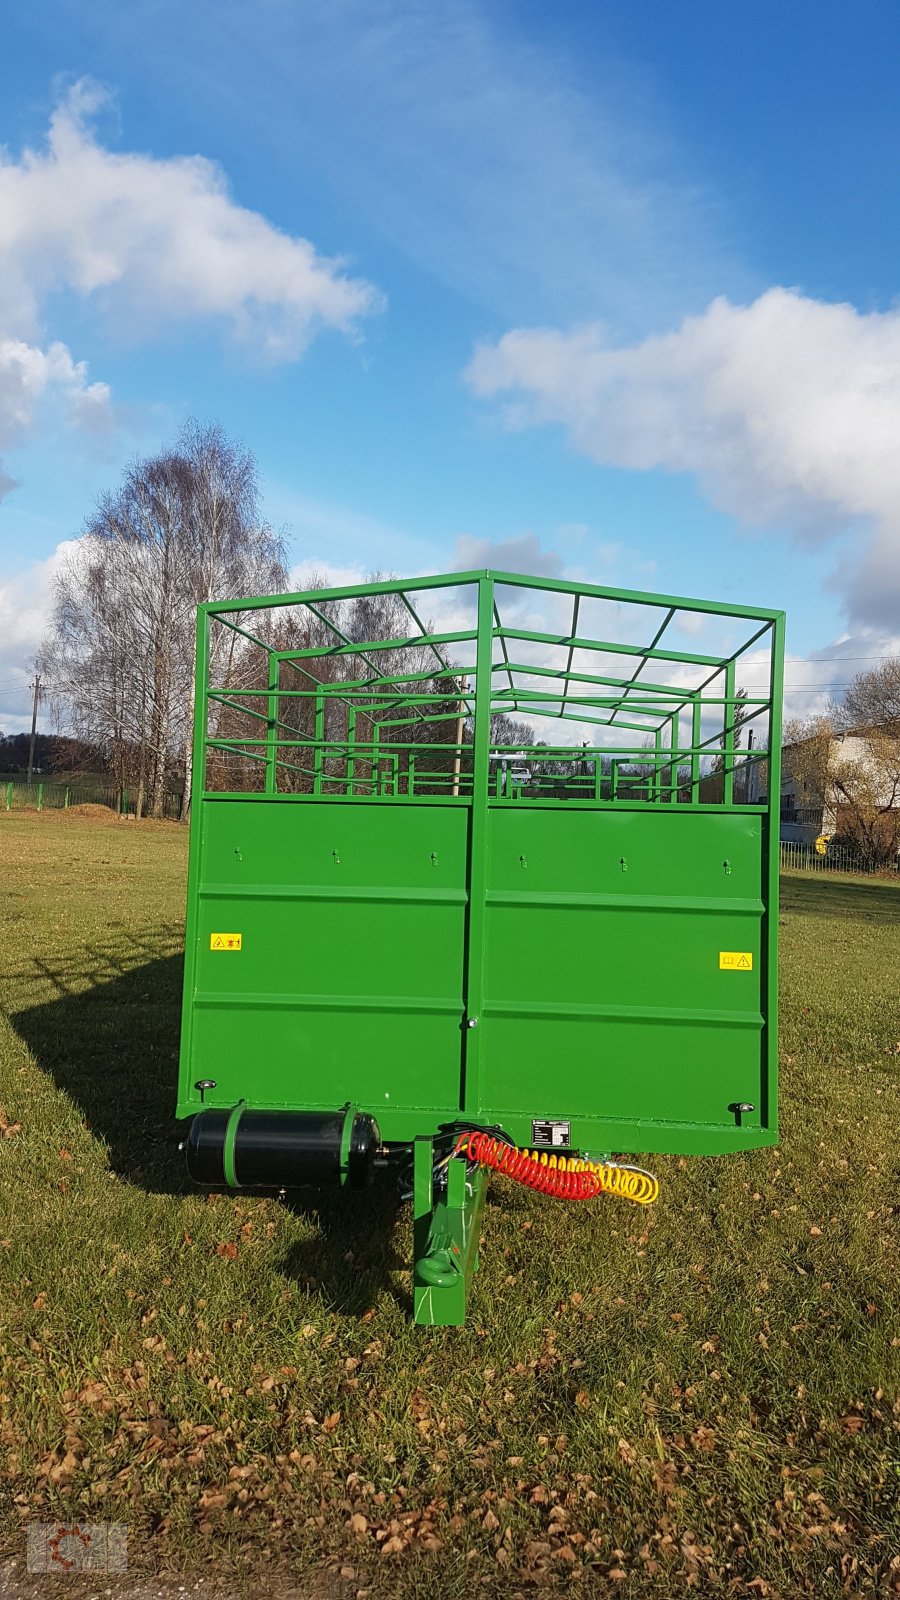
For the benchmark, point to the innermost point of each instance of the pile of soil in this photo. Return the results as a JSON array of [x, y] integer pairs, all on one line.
[[92, 810]]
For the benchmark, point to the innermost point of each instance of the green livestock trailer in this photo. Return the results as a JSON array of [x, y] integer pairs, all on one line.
[[483, 874]]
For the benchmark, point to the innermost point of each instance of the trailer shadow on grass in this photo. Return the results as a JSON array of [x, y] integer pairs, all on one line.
[[348, 1277], [873, 900], [108, 1036], [112, 1045]]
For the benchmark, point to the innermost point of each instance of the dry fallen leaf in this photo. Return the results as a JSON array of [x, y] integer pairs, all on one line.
[[93, 1394], [227, 1251], [703, 1439], [212, 1500], [852, 1424], [64, 1471]]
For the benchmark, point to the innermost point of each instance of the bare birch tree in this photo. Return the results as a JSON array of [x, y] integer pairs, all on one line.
[[183, 527]]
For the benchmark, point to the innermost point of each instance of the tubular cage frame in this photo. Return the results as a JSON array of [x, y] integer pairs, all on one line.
[[326, 716]]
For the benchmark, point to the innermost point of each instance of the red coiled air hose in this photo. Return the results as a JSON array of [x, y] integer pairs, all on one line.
[[526, 1168]]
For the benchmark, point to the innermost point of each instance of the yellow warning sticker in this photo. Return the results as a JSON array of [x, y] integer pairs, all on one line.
[[224, 941], [736, 960]]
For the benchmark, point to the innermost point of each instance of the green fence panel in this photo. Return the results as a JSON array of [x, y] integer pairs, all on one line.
[[50, 794]]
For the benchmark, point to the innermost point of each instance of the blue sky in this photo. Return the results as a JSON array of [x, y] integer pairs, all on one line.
[[611, 287]]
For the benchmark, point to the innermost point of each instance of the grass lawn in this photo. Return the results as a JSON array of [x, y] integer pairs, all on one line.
[[704, 1395]]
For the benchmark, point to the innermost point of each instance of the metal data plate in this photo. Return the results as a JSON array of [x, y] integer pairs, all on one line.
[[550, 1135]]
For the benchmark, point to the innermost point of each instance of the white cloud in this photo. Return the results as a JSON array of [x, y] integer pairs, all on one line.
[[317, 570], [787, 409], [26, 600], [33, 380], [812, 683], [522, 554], [159, 240], [151, 243]]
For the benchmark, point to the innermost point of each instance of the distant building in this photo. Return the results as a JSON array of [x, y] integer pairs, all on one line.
[[810, 808]]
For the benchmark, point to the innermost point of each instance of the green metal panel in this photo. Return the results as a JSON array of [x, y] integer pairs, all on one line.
[[348, 984], [430, 940], [604, 988]]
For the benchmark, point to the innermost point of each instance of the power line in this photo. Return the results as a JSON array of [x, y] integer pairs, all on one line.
[[802, 688], [815, 661]]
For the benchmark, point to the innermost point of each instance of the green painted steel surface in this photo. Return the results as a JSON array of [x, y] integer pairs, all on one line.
[[446, 1227], [430, 936], [348, 984], [603, 986]]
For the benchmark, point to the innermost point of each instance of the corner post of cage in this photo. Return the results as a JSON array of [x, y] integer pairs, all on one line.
[[696, 731], [773, 864], [192, 917], [319, 752], [351, 747], [272, 723], [730, 714], [201, 702], [478, 845]]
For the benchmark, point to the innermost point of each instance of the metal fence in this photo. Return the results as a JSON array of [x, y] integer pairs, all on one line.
[[58, 794], [837, 858]]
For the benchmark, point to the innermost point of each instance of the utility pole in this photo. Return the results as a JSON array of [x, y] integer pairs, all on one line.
[[36, 686]]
